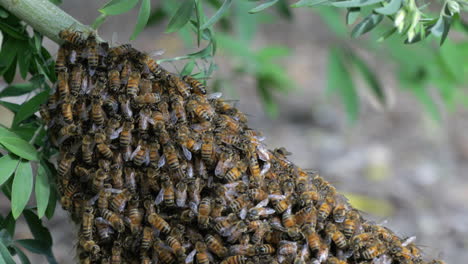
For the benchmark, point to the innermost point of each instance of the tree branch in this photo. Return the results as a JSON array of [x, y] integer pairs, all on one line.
[[44, 17]]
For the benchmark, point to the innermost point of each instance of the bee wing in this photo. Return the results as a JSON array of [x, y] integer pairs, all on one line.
[[215, 96], [408, 241], [277, 196], [266, 167], [190, 172], [194, 207], [160, 197], [262, 203], [219, 170], [162, 161], [243, 213], [115, 134], [263, 152], [384, 259], [190, 256], [187, 153], [268, 211], [134, 153], [157, 52]]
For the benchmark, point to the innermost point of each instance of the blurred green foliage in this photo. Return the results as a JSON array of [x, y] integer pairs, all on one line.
[[208, 26]]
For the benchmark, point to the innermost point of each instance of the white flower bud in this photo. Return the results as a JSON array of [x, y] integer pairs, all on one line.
[[400, 20], [453, 7]]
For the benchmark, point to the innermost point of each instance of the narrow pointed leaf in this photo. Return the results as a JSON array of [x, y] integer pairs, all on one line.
[[370, 78], [143, 16], [218, 14], [366, 25], [117, 7], [389, 9], [5, 256], [17, 89], [37, 228], [23, 258], [181, 16], [8, 165], [355, 3], [42, 190], [22, 188], [30, 107], [352, 15], [310, 3], [263, 6]]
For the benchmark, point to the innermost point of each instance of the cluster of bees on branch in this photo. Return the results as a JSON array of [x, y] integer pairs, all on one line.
[[155, 170]]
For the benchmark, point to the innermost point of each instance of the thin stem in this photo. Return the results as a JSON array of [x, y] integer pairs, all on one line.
[[44, 17]]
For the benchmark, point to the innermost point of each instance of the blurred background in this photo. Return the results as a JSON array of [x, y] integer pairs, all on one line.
[[400, 154]]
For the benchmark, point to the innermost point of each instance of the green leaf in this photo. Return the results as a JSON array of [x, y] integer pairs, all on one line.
[[10, 224], [10, 73], [439, 27], [27, 132], [143, 16], [30, 107], [8, 165], [340, 81], [370, 78], [34, 245], [218, 14], [387, 34], [37, 41], [13, 31], [390, 8], [49, 213], [266, 96], [263, 6], [17, 89], [367, 24], [310, 3], [188, 68], [38, 230], [181, 16], [23, 258], [23, 63], [99, 20], [5, 256], [117, 7], [355, 3], [19, 147], [42, 190], [8, 53], [3, 14], [22, 188], [11, 106], [352, 15], [156, 16], [447, 24]]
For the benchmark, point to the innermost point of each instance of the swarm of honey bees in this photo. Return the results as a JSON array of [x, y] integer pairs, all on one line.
[[155, 170]]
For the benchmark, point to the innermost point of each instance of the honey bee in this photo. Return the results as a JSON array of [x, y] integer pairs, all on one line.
[[196, 85], [374, 250], [82, 110], [147, 238], [228, 123], [194, 189], [181, 194], [73, 37], [149, 98], [164, 252], [171, 157], [97, 114], [358, 241], [187, 216], [116, 176], [93, 57], [67, 107], [76, 79], [68, 190], [202, 110], [224, 224], [167, 192], [204, 211], [309, 197], [338, 238], [90, 246], [242, 249], [339, 212], [216, 246], [140, 154], [98, 180], [87, 224], [119, 201], [287, 248], [60, 63], [135, 216], [313, 239], [120, 50], [132, 85], [65, 164], [105, 150], [325, 208], [179, 110], [103, 230], [113, 77], [254, 169], [237, 231], [114, 220], [288, 219], [116, 257], [307, 215], [207, 148], [282, 205], [182, 87], [177, 247], [239, 259], [334, 260], [151, 64], [351, 223], [159, 223], [264, 249]]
